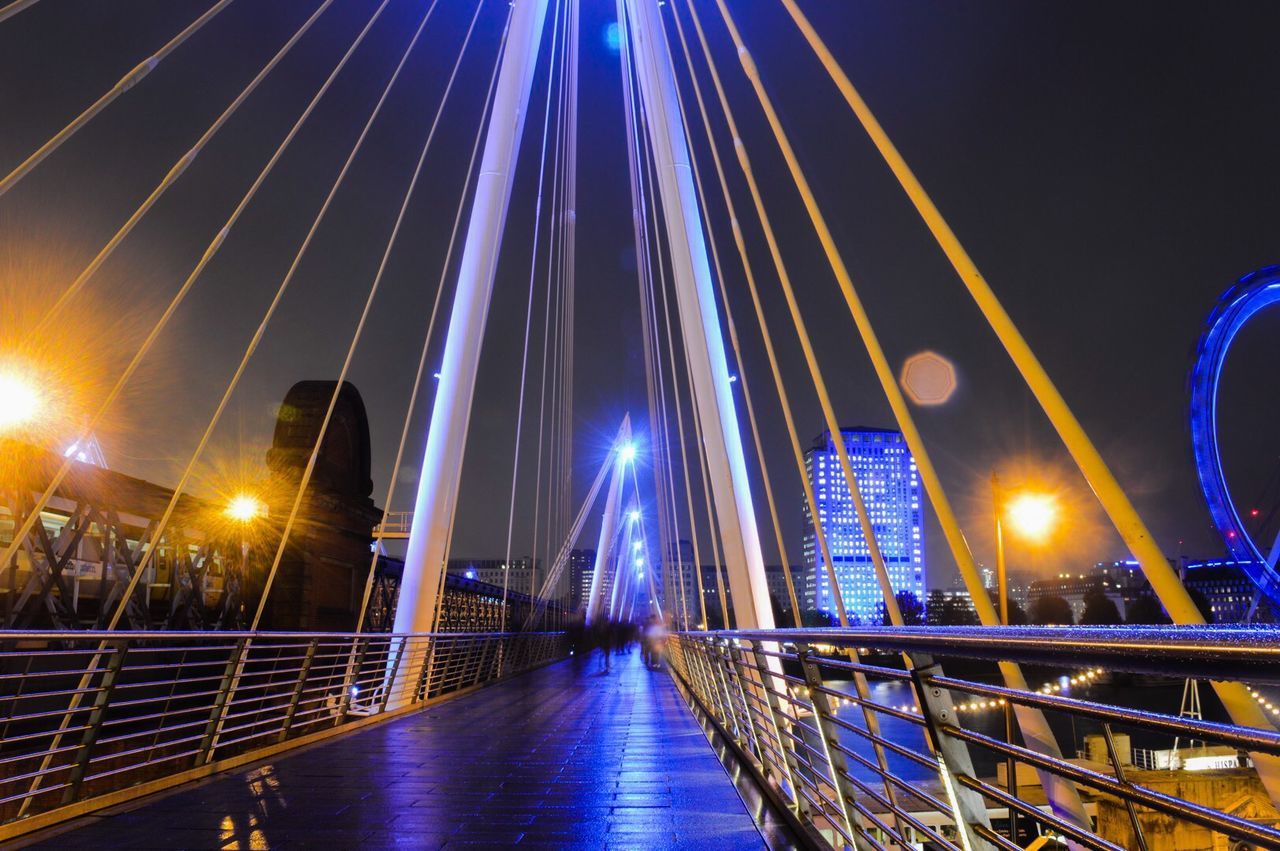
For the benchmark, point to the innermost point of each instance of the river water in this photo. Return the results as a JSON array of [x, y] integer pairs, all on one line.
[[1164, 697]]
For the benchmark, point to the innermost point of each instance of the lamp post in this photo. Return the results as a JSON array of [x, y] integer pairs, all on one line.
[[243, 509], [1032, 516]]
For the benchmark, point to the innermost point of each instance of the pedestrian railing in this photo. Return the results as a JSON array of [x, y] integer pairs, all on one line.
[[867, 743], [88, 719]]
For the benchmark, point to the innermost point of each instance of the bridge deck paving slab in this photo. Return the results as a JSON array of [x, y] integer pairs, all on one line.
[[560, 758]]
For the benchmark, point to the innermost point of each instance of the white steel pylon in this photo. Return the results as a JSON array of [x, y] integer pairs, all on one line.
[[451, 411], [623, 453], [699, 318]]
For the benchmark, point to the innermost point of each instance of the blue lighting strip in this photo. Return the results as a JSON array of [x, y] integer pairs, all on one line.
[[1251, 294]]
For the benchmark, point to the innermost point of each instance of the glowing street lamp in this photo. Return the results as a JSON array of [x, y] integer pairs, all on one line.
[[20, 401], [627, 453], [636, 546], [634, 515], [1032, 516], [245, 508]]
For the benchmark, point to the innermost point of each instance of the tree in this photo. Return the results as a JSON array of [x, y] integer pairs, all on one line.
[[910, 606], [1099, 609], [1146, 610], [818, 618], [1017, 615], [1052, 610], [1202, 603]]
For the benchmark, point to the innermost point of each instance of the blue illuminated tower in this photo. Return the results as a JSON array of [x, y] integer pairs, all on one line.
[[890, 486]]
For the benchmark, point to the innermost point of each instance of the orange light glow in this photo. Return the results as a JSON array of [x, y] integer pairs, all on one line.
[[20, 400], [244, 508], [1032, 515]]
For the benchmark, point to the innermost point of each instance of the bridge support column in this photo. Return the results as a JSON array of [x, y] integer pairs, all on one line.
[[609, 523], [699, 319], [451, 412]]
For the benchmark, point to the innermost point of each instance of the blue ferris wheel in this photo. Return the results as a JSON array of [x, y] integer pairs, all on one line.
[[1249, 296]]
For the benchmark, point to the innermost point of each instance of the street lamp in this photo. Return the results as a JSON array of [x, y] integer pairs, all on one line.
[[20, 400], [627, 453], [1032, 516], [245, 508]]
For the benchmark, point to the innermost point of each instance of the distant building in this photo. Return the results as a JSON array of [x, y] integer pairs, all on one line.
[[1122, 581], [890, 486], [581, 565], [949, 607], [776, 581], [1229, 590], [519, 579]]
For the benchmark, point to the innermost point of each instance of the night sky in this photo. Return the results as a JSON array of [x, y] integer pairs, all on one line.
[[1110, 167]]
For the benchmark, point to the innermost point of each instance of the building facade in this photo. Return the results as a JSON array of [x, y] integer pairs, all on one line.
[[519, 579], [1232, 596], [890, 487], [581, 565]]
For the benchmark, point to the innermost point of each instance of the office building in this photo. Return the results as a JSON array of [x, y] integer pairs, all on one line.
[[890, 487]]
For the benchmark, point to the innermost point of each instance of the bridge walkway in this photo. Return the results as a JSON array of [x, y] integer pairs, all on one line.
[[557, 758]]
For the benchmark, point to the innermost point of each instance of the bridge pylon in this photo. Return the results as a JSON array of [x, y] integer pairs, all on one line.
[[451, 412], [699, 317]]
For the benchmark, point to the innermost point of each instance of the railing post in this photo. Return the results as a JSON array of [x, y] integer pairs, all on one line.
[[953, 755], [230, 674], [94, 724], [350, 682], [729, 716], [1140, 838], [740, 669], [827, 734], [391, 676], [789, 762], [297, 689]]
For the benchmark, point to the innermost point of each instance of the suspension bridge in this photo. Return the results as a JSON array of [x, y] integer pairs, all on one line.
[[269, 654]]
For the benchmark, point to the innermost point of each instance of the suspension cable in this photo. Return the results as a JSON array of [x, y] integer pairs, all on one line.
[[871, 721], [647, 259], [815, 372], [548, 354], [1113, 499], [176, 171], [728, 313], [528, 320], [125, 83], [373, 290], [15, 7], [140, 569], [668, 525], [633, 107], [21, 533]]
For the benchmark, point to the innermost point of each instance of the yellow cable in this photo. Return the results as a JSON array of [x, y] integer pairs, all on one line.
[[870, 719], [1164, 580], [815, 372], [732, 326]]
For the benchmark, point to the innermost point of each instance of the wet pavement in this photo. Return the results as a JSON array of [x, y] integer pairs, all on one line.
[[557, 758]]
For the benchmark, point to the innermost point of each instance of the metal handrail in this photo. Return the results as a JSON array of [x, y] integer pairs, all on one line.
[[119, 712], [776, 696]]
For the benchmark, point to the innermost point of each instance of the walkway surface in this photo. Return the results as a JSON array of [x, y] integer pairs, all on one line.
[[552, 759]]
